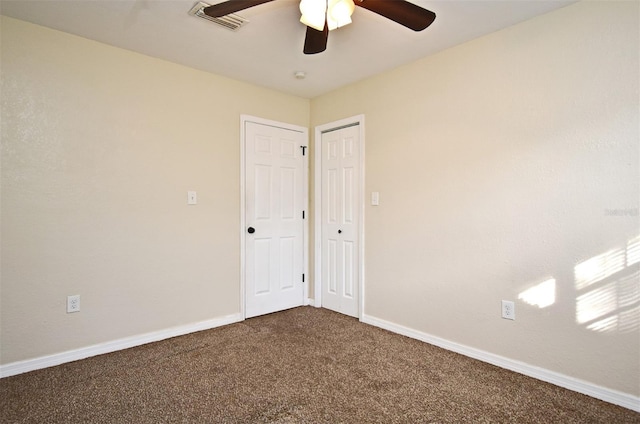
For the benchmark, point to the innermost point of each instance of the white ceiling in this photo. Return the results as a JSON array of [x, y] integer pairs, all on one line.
[[268, 50]]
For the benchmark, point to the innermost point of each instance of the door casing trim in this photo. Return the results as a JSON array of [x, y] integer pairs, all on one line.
[[305, 260], [317, 209]]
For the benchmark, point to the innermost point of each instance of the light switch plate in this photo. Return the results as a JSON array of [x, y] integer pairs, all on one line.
[[375, 198], [192, 198]]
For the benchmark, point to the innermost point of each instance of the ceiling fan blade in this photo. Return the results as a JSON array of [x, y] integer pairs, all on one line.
[[316, 41], [231, 6], [400, 11]]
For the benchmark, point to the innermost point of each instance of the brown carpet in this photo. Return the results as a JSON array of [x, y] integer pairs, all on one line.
[[304, 365]]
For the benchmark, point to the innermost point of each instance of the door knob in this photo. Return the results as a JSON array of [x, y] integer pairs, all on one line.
[[339, 231], [251, 230]]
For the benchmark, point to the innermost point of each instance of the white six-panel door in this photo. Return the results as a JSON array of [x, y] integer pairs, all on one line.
[[275, 198], [340, 219]]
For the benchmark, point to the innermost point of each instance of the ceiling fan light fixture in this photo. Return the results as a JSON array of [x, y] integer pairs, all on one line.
[[339, 13], [313, 13], [336, 13]]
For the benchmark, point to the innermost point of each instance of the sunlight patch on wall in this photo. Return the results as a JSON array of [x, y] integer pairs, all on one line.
[[624, 322], [540, 295], [596, 303], [629, 320], [633, 251], [610, 286], [599, 267]]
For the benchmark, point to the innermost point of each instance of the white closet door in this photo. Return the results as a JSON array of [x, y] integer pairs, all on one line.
[[340, 219]]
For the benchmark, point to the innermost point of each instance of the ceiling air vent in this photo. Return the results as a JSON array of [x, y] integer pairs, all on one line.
[[230, 21]]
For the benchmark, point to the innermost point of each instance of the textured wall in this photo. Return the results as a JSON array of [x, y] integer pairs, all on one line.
[[99, 148], [508, 169], [502, 163]]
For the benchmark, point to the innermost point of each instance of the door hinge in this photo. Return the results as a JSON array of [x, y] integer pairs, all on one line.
[[303, 278], [304, 150], [302, 214]]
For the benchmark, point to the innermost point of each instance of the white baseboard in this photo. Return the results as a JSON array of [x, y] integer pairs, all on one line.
[[608, 395], [112, 346]]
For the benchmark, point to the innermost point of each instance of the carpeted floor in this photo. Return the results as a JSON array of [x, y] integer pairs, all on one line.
[[304, 365]]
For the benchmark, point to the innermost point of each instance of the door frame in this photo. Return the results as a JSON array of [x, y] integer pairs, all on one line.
[[317, 206], [243, 220]]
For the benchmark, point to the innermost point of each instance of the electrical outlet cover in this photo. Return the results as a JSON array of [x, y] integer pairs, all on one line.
[[73, 303], [508, 310]]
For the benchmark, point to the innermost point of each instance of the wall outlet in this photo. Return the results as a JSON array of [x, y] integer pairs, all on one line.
[[508, 310], [73, 303]]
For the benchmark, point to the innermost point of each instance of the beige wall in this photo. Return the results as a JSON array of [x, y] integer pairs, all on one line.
[[500, 163], [99, 148], [503, 163]]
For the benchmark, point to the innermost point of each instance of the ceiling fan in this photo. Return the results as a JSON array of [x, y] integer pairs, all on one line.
[[321, 16]]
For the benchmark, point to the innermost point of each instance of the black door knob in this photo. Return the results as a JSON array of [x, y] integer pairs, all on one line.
[[251, 230], [339, 231]]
